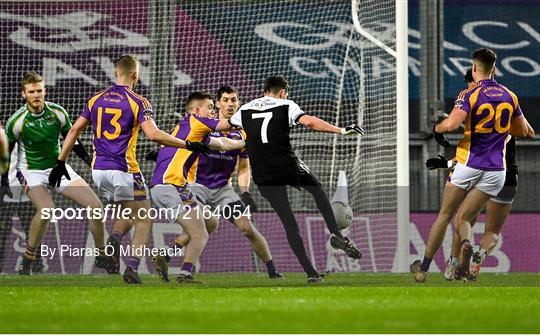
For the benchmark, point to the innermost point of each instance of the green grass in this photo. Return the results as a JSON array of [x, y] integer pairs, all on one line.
[[251, 303]]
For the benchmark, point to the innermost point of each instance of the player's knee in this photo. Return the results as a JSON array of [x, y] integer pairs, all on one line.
[[247, 231], [200, 234], [211, 224]]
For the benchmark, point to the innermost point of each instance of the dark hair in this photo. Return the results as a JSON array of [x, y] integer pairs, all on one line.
[[468, 77], [31, 77], [275, 84], [486, 57], [127, 63], [197, 96], [225, 89]]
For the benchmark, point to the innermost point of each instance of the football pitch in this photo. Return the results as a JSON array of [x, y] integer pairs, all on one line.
[[252, 303]]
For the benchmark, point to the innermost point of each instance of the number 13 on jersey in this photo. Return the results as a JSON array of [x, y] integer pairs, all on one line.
[[116, 113]]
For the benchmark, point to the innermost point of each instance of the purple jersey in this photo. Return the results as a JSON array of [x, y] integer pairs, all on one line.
[[490, 108], [116, 114], [215, 169], [174, 164]]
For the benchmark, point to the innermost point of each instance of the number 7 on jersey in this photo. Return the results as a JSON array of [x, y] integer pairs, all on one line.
[[264, 127]]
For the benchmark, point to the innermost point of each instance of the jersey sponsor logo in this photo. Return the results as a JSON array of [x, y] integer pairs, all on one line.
[[459, 103], [147, 114]]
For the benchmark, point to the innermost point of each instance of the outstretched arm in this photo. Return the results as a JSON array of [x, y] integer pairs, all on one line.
[[155, 134], [320, 125]]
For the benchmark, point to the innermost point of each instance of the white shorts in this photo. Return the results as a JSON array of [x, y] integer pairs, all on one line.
[[466, 178], [215, 198], [118, 186], [33, 178]]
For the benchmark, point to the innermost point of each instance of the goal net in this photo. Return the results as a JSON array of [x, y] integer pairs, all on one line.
[[335, 54]]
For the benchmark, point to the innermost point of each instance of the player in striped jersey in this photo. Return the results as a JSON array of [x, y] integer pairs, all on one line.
[[35, 128], [116, 114]]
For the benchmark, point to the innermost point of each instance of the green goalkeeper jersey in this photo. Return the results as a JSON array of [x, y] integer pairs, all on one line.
[[37, 135]]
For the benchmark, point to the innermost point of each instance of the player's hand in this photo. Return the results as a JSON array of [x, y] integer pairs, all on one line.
[[152, 155], [4, 188], [352, 129], [438, 163], [199, 147], [440, 138], [59, 170], [249, 201]]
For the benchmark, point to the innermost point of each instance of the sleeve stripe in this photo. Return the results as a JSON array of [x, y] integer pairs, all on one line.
[[298, 117], [144, 101]]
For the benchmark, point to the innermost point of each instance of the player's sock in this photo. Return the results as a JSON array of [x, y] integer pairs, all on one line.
[[133, 263], [171, 247], [117, 235], [270, 267], [425, 264], [187, 268], [30, 252]]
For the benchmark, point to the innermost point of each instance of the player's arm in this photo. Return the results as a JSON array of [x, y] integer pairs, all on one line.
[[244, 179], [153, 133], [452, 123], [530, 132], [225, 144], [59, 169], [519, 127], [244, 176], [320, 125], [223, 125], [79, 149]]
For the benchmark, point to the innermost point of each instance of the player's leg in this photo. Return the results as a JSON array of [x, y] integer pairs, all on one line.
[[452, 262], [120, 227], [142, 225], [81, 193], [41, 199], [312, 185], [194, 226], [497, 211], [233, 209], [190, 217], [452, 197], [24, 211], [489, 185], [279, 200]]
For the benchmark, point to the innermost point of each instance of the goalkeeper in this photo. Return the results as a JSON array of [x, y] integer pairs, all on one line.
[[35, 128]]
